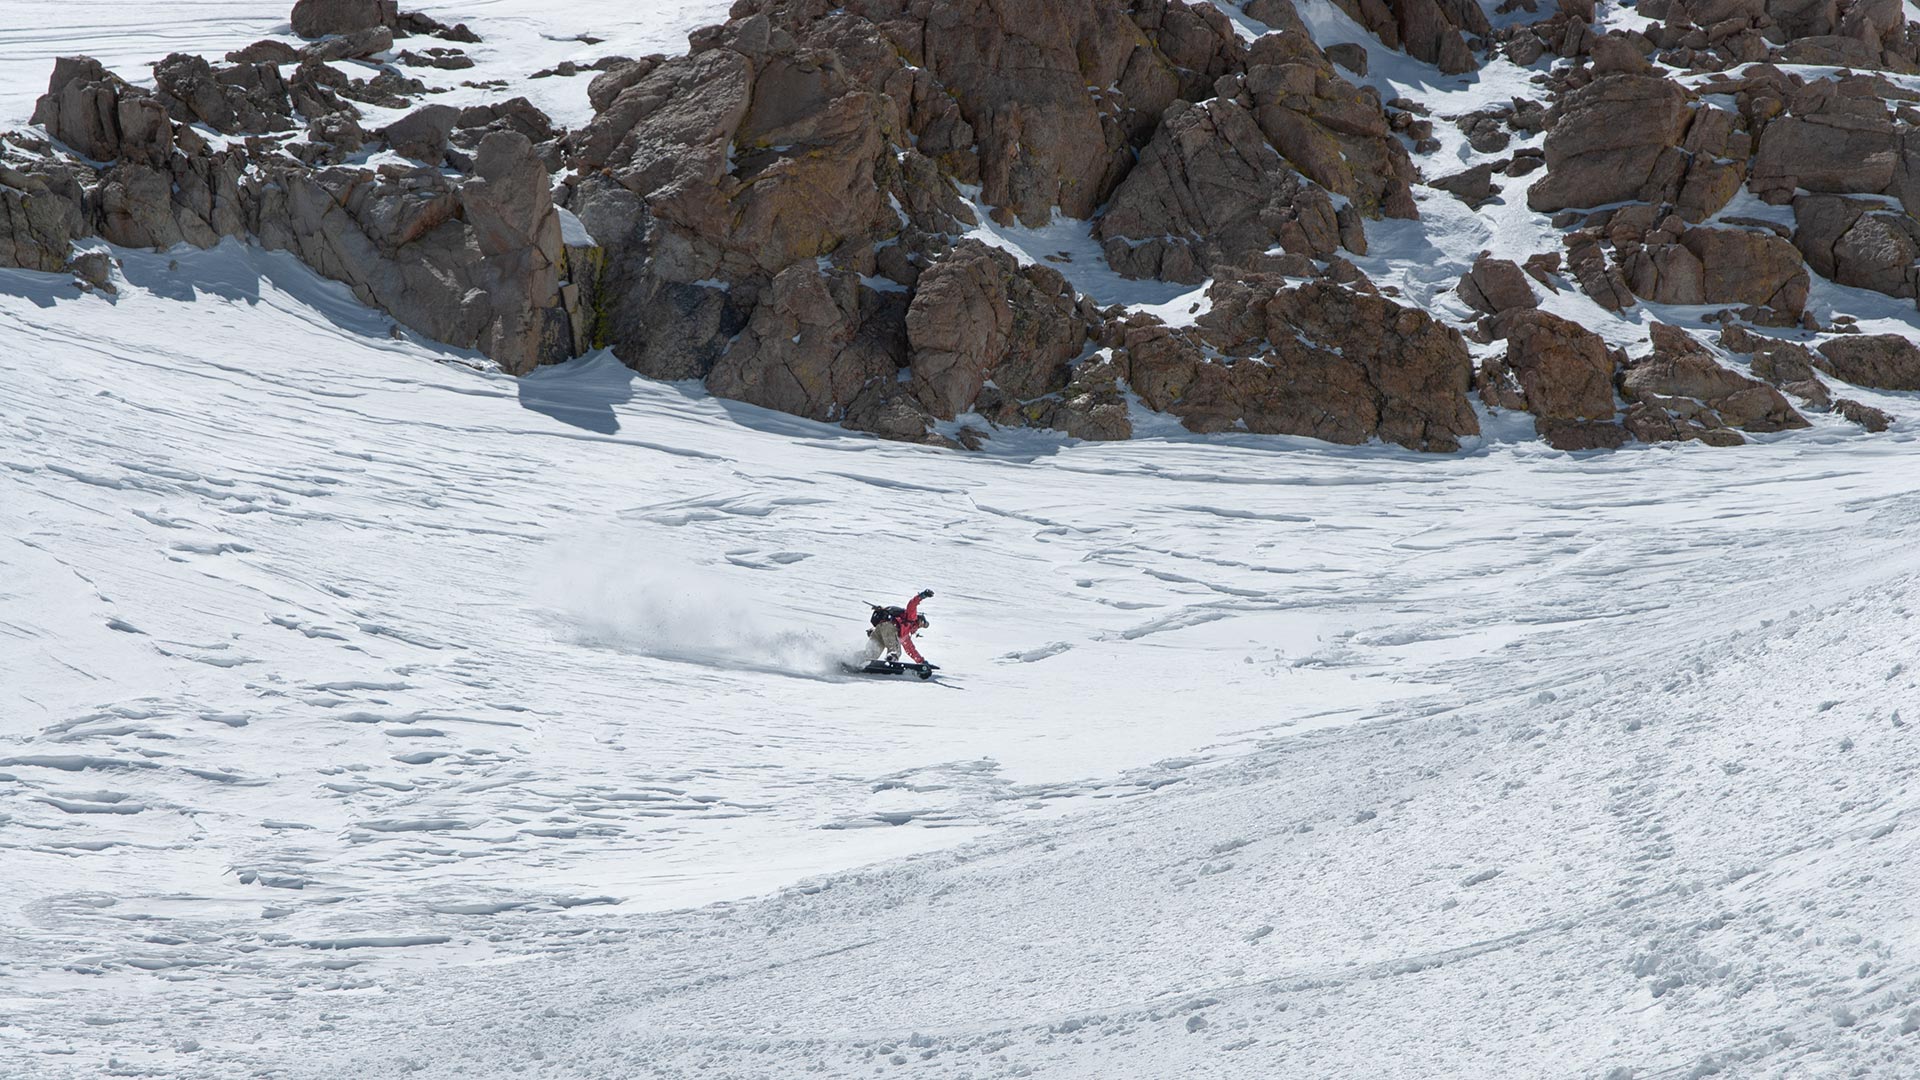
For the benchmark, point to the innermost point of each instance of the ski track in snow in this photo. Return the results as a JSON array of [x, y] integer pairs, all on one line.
[[366, 712]]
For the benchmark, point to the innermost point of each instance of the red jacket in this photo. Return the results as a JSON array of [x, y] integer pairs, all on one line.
[[907, 623]]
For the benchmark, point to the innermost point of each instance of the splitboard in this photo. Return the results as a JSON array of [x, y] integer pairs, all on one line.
[[891, 667]]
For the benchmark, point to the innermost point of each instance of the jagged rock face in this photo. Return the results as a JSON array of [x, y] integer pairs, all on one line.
[[1226, 179], [1882, 361], [1211, 191], [423, 134], [745, 189], [1868, 417], [474, 264], [1317, 360], [1423, 29], [40, 216], [1560, 372], [248, 98], [1829, 142], [814, 345], [1680, 392], [1739, 266], [1785, 364], [1336, 134], [1496, 285], [1614, 140], [978, 315], [101, 117], [1019, 72], [1855, 242], [784, 211], [1668, 262]]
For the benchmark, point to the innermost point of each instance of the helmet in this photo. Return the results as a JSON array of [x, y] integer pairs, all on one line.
[[921, 623]]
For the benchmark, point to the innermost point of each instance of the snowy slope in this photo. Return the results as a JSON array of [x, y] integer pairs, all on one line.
[[334, 647], [367, 713]]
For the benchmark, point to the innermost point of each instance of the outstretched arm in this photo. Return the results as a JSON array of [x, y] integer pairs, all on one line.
[[913, 605]]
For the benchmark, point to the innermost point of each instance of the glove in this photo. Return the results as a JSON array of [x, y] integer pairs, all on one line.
[[926, 593]]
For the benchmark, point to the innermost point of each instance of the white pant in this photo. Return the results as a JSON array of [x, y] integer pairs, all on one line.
[[885, 639]]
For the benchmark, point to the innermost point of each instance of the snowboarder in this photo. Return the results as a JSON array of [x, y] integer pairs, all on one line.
[[892, 630]]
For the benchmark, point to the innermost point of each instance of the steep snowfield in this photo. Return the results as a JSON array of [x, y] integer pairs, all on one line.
[[363, 712], [315, 645]]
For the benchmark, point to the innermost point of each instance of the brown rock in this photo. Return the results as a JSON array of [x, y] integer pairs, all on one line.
[[1574, 435], [1209, 190], [1473, 186], [37, 224], [1495, 285], [1349, 55], [616, 80], [267, 51], [1853, 242], [1881, 361], [1092, 407], [1336, 134], [356, 45], [1331, 363], [423, 134], [977, 315], [190, 89], [813, 346], [1738, 266], [1865, 415], [1554, 368], [1607, 140], [475, 264], [1423, 29], [1681, 392], [1613, 54], [1826, 152], [318, 18], [101, 117]]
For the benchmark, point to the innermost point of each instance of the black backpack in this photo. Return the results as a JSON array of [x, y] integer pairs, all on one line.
[[885, 614]]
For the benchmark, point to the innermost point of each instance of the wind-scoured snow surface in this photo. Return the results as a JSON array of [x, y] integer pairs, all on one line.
[[364, 713]]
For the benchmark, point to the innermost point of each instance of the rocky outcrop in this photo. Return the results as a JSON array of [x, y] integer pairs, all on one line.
[[814, 346], [1435, 31], [101, 117], [1860, 243], [1211, 191], [1680, 392], [38, 223], [1250, 170], [1868, 417], [1495, 285], [1828, 142], [1617, 139], [1669, 262], [318, 18], [1560, 372], [1316, 359], [1786, 364], [475, 264], [1881, 361], [788, 211], [243, 98], [1020, 120], [1336, 134], [977, 315]]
